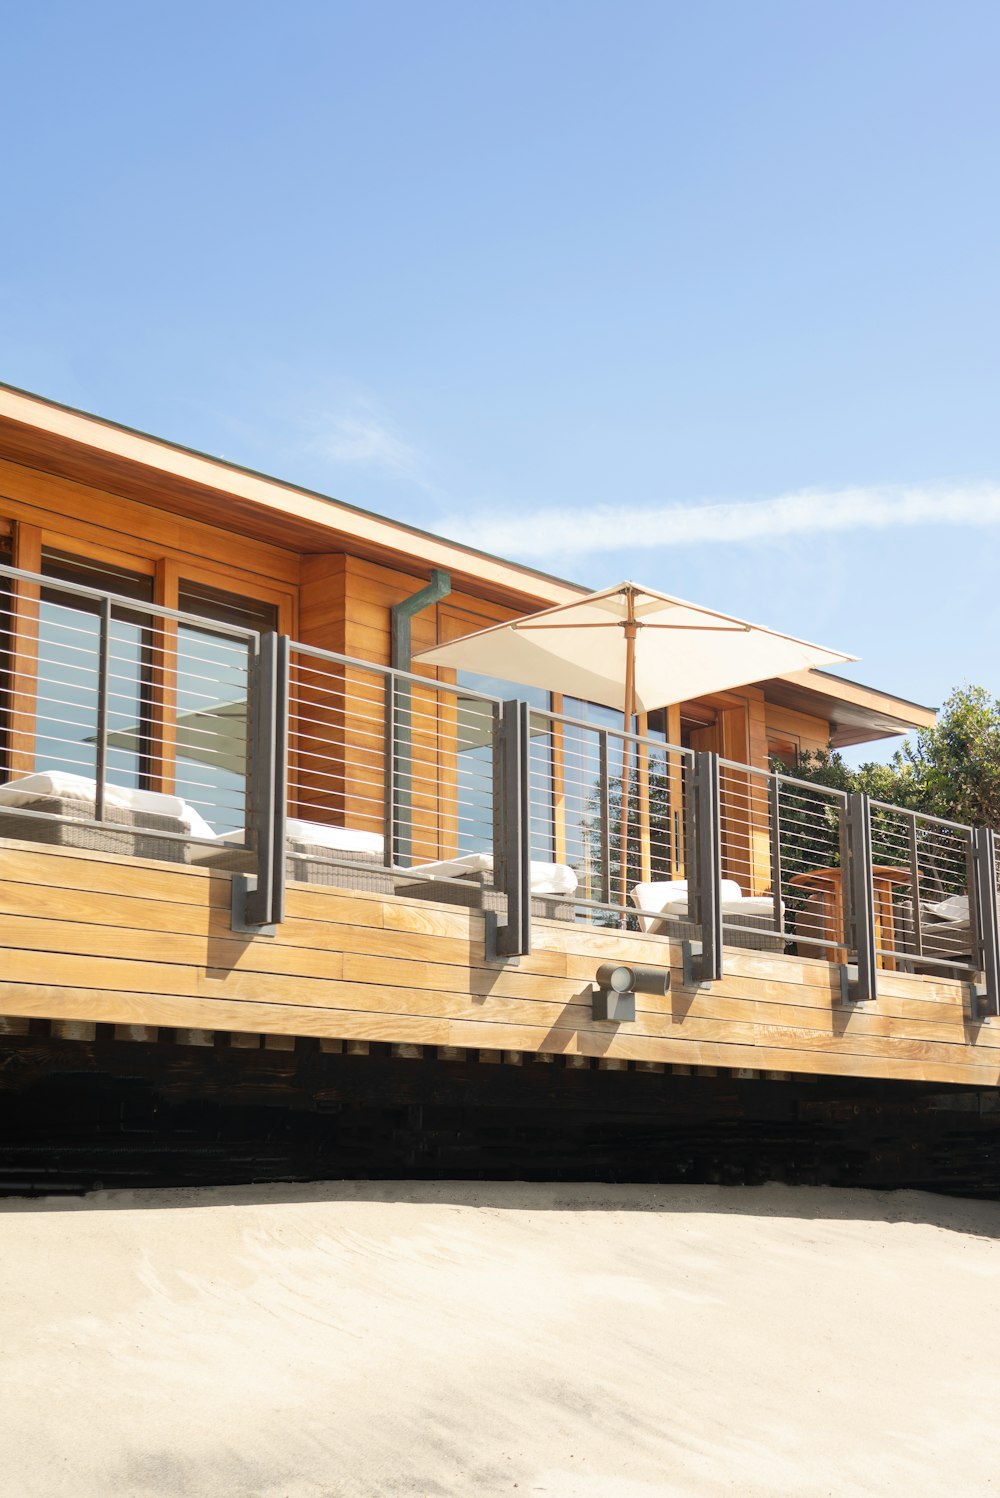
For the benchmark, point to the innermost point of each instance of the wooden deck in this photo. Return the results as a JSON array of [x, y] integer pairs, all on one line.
[[92, 938]]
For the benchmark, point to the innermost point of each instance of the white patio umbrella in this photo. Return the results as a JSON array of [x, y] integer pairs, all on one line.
[[634, 649]]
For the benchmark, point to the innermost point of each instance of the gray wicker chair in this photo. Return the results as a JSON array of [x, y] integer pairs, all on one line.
[[752, 933], [947, 940], [315, 863], [308, 863], [62, 823], [475, 893]]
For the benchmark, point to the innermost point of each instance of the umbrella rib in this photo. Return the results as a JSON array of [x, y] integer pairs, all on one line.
[[705, 629]]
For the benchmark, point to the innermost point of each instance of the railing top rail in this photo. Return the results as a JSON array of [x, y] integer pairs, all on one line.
[[135, 605], [920, 816], [612, 731], [832, 791], [317, 652]]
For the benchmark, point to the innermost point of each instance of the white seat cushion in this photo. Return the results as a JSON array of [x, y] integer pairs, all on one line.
[[955, 908], [337, 839], [654, 898], [61, 785], [755, 905], [546, 878]]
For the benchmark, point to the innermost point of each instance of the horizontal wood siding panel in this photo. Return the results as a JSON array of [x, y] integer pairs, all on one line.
[[95, 938]]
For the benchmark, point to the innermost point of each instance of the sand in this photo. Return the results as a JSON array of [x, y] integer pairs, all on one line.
[[468, 1339]]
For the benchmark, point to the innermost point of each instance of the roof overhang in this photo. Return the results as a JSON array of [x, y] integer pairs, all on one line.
[[857, 714], [76, 445], [44, 435]]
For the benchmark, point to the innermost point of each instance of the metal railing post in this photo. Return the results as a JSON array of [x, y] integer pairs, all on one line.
[[604, 793], [986, 1000], [259, 899], [976, 933], [512, 832], [103, 693], [403, 769], [861, 983], [703, 960], [389, 771], [774, 828]]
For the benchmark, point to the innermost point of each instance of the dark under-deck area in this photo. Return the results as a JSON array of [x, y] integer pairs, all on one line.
[[76, 1115]]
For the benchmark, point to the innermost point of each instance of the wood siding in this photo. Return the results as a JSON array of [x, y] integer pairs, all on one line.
[[91, 938]]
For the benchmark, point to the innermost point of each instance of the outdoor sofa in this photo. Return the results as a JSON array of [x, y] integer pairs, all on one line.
[[747, 920], [55, 807], [318, 853], [468, 880]]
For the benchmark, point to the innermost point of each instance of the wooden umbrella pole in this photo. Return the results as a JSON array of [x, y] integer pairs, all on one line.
[[631, 630]]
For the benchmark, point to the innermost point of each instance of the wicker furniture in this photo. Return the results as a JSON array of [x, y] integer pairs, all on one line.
[[747, 922], [753, 933], [61, 822], [476, 893], [946, 936], [341, 868], [318, 853]]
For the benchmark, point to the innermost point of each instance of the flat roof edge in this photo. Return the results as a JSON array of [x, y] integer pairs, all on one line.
[[226, 465], [920, 707]]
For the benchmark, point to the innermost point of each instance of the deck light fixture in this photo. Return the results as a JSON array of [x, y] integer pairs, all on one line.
[[618, 984]]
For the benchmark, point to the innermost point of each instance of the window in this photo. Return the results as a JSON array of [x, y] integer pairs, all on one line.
[[66, 714], [6, 660], [475, 758], [212, 690], [199, 750], [783, 752]]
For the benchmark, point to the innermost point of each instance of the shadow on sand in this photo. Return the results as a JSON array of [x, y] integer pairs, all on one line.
[[804, 1203]]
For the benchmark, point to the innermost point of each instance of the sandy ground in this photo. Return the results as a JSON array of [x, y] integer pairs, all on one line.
[[572, 1341]]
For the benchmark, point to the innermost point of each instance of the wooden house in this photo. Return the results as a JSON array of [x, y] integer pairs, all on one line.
[[138, 582]]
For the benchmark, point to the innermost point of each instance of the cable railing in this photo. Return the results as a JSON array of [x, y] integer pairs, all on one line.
[[399, 765], [784, 860], [608, 807], [926, 912], [123, 725], [130, 728]]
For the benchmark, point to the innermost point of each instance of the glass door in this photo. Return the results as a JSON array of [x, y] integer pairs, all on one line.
[[67, 673], [213, 676]]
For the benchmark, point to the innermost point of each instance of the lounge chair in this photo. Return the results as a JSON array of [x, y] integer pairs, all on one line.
[[747, 920], [53, 807], [339, 857], [468, 880], [945, 933]]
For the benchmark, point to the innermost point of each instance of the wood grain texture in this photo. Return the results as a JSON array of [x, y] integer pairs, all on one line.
[[90, 938]]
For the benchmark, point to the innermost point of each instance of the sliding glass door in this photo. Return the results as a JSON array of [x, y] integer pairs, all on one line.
[[67, 697], [213, 675]]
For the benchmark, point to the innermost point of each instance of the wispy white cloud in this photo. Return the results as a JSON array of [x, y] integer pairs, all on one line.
[[603, 528], [365, 441]]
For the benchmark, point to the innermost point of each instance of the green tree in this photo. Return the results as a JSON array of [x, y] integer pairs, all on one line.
[[951, 770]]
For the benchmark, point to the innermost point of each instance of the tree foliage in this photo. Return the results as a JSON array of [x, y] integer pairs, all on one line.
[[951, 770]]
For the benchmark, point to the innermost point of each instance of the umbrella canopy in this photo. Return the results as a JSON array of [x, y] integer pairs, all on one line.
[[677, 650], [634, 649]]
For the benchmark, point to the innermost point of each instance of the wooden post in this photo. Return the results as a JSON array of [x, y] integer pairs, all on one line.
[[631, 630], [645, 851], [163, 703]]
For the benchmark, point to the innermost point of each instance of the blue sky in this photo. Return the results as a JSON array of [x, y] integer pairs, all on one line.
[[702, 294]]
